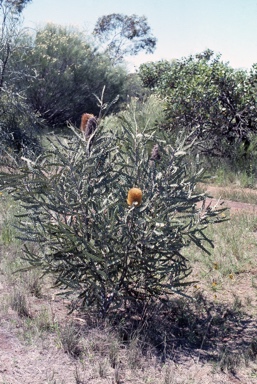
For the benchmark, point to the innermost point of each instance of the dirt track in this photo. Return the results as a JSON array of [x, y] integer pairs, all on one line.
[[234, 206]]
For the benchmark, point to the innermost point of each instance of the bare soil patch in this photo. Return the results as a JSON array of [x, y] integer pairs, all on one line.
[[218, 194]]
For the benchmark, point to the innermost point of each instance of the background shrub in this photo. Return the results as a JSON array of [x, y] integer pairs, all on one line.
[[62, 72], [19, 128], [209, 99]]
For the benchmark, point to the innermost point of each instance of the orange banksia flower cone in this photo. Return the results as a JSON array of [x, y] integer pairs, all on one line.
[[134, 196], [88, 124]]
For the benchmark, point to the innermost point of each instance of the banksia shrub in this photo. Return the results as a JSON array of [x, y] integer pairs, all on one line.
[[110, 220]]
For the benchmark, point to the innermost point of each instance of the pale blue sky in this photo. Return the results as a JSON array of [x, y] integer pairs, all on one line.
[[182, 27]]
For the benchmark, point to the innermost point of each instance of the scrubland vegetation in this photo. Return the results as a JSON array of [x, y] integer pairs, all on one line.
[[158, 286]]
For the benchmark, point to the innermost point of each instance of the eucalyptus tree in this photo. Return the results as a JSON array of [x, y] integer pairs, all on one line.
[[123, 35], [16, 5]]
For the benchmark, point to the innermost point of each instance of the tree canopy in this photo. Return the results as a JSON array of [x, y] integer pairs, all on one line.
[[17, 5], [124, 35]]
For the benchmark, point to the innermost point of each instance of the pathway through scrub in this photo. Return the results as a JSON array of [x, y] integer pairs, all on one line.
[[217, 194]]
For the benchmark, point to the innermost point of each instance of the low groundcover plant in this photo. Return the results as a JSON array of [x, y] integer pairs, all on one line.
[[111, 219]]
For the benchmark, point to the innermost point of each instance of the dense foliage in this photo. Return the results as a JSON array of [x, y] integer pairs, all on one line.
[[18, 122], [62, 72], [19, 129], [104, 246], [207, 97]]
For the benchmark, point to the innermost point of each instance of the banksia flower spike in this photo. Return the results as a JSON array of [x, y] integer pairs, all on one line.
[[90, 127], [88, 124], [84, 119], [134, 196]]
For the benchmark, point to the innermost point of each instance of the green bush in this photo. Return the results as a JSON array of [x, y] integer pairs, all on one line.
[[104, 252], [207, 97], [61, 73], [19, 128]]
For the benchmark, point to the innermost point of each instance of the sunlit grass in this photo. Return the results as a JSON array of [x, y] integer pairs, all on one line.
[[232, 257]]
